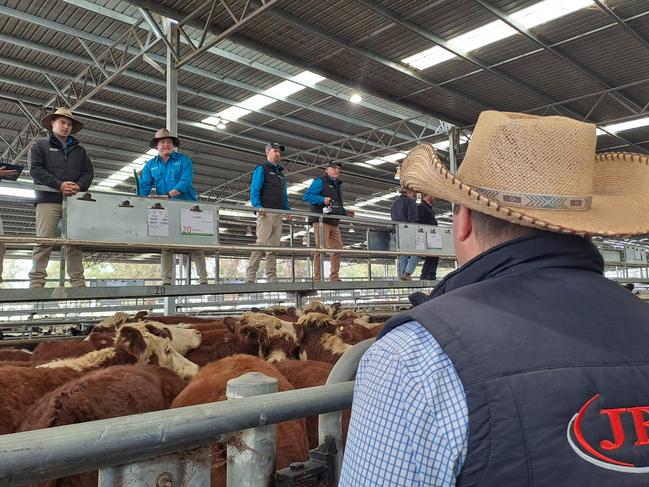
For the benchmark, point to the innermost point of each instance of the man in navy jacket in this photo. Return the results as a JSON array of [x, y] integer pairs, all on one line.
[[268, 190], [404, 209], [527, 367]]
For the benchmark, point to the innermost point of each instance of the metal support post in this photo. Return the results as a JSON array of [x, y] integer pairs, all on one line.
[[292, 242], [171, 31], [330, 424], [369, 259], [252, 462], [63, 250], [321, 246]]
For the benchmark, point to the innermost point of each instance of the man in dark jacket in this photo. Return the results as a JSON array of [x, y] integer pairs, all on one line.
[[268, 190], [325, 195], [404, 209], [527, 367], [57, 161], [427, 217]]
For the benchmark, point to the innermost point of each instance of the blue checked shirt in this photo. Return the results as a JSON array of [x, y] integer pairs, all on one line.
[[409, 424]]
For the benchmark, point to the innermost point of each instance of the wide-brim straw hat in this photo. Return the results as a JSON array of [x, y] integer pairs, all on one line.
[[163, 134], [62, 112], [540, 172]]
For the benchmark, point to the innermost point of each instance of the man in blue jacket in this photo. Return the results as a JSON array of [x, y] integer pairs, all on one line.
[[268, 190], [171, 174], [326, 195], [404, 209], [527, 367]]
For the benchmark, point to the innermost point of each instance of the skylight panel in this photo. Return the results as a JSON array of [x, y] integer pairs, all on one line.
[[631, 124], [543, 12], [529, 17], [482, 36]]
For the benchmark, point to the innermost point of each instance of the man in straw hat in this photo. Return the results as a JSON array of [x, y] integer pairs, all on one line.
[[528, 366], [60, 162], [171, 173]]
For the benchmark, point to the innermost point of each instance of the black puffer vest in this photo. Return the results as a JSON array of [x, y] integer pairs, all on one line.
[[333, 190], [272, 191], [553, 359]]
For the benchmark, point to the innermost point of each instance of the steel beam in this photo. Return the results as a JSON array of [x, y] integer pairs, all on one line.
[[239, 20], [622, 23], [621, 99], [85, 85]]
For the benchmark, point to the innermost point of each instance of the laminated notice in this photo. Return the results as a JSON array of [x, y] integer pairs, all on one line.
[[157, 224]]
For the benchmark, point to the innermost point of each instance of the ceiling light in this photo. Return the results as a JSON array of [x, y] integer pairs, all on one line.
[[351, 228], [355, 98], [305, 240], [397, 174], [223, 230], [248, 232]]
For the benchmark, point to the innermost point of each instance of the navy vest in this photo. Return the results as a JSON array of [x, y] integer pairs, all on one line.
[[554, 363], [335, 192], [272, 191]]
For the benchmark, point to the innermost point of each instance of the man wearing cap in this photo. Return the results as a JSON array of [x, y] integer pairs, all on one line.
[[268, 190], [60, 162], [325, 195], [171, 173], [527, 367]]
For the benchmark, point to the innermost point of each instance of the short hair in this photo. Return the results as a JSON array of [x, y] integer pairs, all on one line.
[[492, 231]]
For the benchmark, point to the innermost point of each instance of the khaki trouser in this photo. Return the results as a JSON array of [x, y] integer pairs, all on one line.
[[269, 232], [47, 217], [167, 265], [332, 240]]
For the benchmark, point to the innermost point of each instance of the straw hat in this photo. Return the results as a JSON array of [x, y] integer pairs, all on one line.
[[62, 112], [163, 134], [540, 172]]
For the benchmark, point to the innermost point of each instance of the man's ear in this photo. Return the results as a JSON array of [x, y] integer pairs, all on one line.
[[462, 225]]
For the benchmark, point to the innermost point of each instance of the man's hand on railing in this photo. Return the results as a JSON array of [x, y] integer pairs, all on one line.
[[350, 213], [69, 188], [260, 211], [289, 218]]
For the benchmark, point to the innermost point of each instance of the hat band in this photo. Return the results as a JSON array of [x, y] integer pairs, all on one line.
[[538, 201]]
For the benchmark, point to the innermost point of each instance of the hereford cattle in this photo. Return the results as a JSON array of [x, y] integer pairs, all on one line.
[[277, 339], [209, 386], [290, 313], [316, 307], [135, 344], [20, 387], [49, 350], [307, 373], [16, 355], [218, 344], [101, 394], [319, 339]]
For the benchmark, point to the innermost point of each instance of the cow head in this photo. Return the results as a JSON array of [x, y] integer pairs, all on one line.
[[148, 348], [182, 339]]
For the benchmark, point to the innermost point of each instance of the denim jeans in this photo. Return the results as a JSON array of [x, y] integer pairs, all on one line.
[[407, 264]]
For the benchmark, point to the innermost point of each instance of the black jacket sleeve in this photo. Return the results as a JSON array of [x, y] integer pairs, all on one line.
[[37, 161], [413, 213], [87, 172]]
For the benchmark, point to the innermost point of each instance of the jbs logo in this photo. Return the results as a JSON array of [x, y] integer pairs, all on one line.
[[589, 423]]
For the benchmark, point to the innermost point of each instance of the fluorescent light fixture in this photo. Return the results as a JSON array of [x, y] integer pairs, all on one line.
[[376, 162], [17, 192], [355, 98], [631, 124], [363, 164], [529, 17]]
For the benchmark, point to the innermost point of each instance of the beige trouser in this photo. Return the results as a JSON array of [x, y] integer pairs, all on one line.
[[47, 217], [167, 265], [269, 232], [332, 240]]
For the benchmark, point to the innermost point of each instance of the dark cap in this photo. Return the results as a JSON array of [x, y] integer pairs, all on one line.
[[334, 164], [275, 145]]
